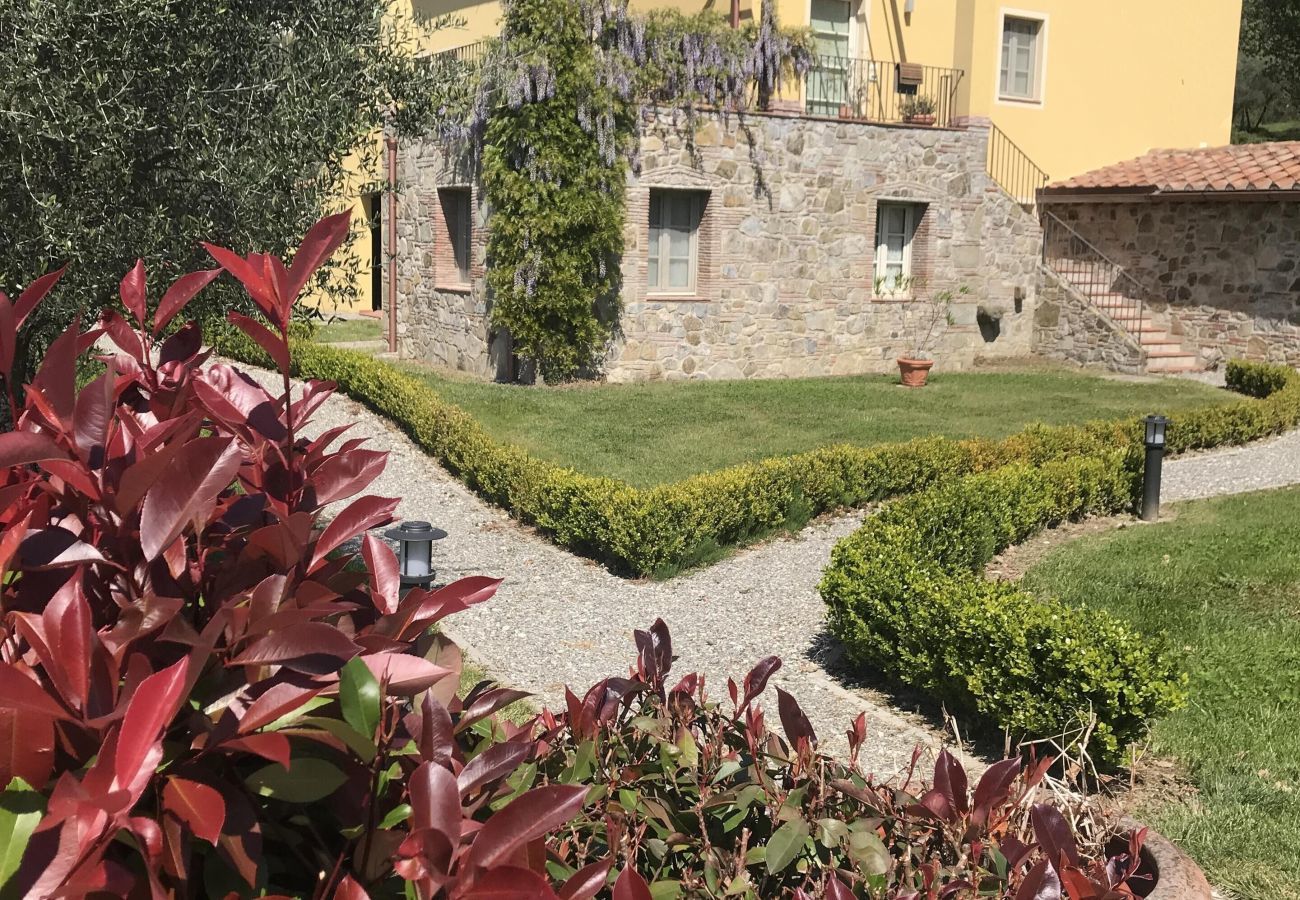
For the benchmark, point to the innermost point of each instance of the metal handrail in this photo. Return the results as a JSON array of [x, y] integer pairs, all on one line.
[[877, 90], [1012, 168], [1080, 263]]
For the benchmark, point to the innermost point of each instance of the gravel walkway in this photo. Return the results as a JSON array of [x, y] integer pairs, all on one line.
[[559, 619]]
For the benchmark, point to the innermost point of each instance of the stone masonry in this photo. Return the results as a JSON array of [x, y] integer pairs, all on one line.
[[1067, 326], [785, 273], [1226, 272]]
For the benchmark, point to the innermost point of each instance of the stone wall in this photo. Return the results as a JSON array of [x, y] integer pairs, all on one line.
[[785, 282], [439, 320], [1068, 327], [791, 291], [1226, 272]]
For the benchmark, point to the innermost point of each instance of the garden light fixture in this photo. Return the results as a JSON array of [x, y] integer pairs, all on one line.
[[415, 551], [1155, 443]]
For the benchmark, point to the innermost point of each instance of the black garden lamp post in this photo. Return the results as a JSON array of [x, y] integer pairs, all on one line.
[[415, 551], [1155, 443]]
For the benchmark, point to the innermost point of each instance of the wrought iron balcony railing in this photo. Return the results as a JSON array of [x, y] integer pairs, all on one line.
[[881, 91]]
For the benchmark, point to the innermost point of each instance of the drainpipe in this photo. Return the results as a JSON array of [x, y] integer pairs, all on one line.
[[735, 13], [390, 141]]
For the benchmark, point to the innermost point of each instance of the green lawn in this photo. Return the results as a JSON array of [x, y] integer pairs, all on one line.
[[340, 330], [652, 433], [1223, 578]]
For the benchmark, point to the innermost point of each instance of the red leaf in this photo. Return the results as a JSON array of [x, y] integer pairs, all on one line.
[[91, 416], [793, 720], [527, 817], [950, 780], [510, 883], [406, 675], [133, 292], [385, 581], [361, 515], [436, 735], [248, 274], [1040, 884], [1054, 834], [487, 703], [197, 805], [63, 637], [56, 380], [345, 475], [19, 692], [631, 886], [587, 882], [435, 801], [497, 761], [186, 489], [268, 745], [420, 609], [272, 343], [993, 789], [279, 700], [35, 293], [8, 335], [311, 647], [835, 889], [26, 747], [321, 241], [182, 291], [20, 448], [150, 710], [348, 889], [756, 679]]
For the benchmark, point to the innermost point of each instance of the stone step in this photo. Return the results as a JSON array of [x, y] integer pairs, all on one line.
[[1172, 361]]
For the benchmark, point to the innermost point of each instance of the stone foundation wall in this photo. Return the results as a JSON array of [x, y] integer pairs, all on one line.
[[792, 289], [785, 281], [1068, 327], [1226, 272]]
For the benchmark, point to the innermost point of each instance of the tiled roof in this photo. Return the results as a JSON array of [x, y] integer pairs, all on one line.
[[1242, 167]]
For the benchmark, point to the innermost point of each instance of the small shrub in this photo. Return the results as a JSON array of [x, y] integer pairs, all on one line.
[[907, 598], [660, 530], [704, 800], [1257, 379]]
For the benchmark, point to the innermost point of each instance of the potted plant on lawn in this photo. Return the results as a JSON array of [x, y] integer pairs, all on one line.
[[918, 110], [922, 314]]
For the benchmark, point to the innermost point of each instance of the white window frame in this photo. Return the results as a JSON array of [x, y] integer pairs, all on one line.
[[464, 241], [1038, 78], [880, 269], [661, 197]]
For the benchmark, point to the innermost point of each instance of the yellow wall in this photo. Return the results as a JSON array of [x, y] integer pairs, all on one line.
[[1120, 77]]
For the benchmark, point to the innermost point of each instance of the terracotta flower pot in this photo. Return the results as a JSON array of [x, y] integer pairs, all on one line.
[[914, 372], [920, 119]]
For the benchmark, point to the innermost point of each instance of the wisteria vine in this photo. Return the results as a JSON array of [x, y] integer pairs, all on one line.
[[551, 123]]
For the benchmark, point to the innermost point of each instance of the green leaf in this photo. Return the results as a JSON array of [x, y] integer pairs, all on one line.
[[869, 852], [397, 815], [786, 844], [359, 697], [307, 781], [690, 755], [364, 747], [21, 809], [666, 890], [290, 717]]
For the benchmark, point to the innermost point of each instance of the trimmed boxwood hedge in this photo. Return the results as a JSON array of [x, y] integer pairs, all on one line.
[[660, 530], [906, 595]]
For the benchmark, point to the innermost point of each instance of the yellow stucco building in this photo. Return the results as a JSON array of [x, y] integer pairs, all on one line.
[[1073, 84]]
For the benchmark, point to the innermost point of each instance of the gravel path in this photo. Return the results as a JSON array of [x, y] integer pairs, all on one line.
[[1265, 464], [559, 619]]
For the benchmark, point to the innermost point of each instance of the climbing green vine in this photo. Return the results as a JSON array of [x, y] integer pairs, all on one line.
[[553, 126]]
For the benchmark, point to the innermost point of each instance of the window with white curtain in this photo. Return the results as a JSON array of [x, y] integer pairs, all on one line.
[[1021, 58], [674, 241], [895, 229]]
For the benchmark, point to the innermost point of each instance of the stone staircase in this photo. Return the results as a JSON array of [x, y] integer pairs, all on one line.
[[1116, 294]]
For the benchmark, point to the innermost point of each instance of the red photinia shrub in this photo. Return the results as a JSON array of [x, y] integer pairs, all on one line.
[[199, 697], [704, 800]]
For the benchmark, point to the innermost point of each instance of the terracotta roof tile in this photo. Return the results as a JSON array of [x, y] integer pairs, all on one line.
[[1242, 167]]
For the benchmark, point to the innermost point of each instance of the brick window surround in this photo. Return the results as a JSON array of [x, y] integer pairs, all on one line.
[[921, 251], [706, 251], [454, 238]]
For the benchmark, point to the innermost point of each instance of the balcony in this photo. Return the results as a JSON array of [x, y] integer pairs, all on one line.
[[884, 91]]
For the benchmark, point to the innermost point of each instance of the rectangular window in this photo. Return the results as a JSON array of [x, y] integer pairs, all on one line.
[[895, 229], [457, 215], [1021, 58], [674, 241], [828, 79]]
